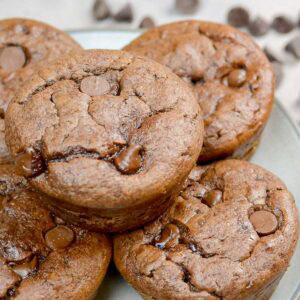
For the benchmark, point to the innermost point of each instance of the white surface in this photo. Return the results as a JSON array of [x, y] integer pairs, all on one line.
[[279, 152], [76, 14]]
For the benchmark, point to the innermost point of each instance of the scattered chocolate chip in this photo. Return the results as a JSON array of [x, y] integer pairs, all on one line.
[[129, 160], [237, 77], [125, 14], [168, 238], [270, 55], [264, 222], [258, 27], [147, 22], [100, 10], [277, 69], [293, 47], [8, 280], [29, 164], [283, 24], [187, 6], [12, 58], [238, 17], [95, 86], [26, 268], [59, 237], [213, 197]]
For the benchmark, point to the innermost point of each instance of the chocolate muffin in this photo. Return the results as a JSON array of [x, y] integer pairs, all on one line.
[[40, 256], [231, 77], [229, 235], [108, 135]]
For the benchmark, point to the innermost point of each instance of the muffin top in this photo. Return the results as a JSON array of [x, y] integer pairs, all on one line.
[[23, 44], [105, 129], [231, 78], [230, 233], [40, 256]]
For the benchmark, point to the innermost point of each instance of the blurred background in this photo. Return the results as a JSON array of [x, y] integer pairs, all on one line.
[[74, 15]]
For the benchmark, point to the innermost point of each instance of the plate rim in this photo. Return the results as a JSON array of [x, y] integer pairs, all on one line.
[[280, 106]]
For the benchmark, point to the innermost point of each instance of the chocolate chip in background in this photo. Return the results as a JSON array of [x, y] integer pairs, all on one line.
[[238, 17], [258, 27], [12, 58], [283, 24], [278, 71], [101, 10], [293, 47], [264, 222], [125, 14], [271, 55], [147, 22], [187, 6]]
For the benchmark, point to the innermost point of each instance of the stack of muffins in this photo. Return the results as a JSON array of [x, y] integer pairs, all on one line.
[[150, 144]]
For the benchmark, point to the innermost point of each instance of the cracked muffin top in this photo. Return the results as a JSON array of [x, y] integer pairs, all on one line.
[[104, 129], [230, 76], [229, 235], [23, 44], [41, 257]]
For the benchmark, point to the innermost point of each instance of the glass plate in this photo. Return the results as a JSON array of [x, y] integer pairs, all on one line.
[[279, 152]]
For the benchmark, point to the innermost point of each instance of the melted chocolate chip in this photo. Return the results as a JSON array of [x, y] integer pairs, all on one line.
[[238, 17], [26, 268], [100, 10], [125, 14], [237, 77], [264, 222], [129, 160], [12, 58], [59, 237], [169, 237], [29, 164], [283, 24], [95, 86], [213, 197]]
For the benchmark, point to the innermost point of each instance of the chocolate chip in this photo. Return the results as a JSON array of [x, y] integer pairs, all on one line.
[[293, 47], [129, 160], [187, 6], [213, 197], [283, 24], [147, 22], [95, 86], [26, 268], [277, 69], [12, 58], [264, 222], [237, 77], [100, 10], [238, 17], [270, 55], [258, 27], [125, 14], [59, 237], [168, 238], [30, 163]]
